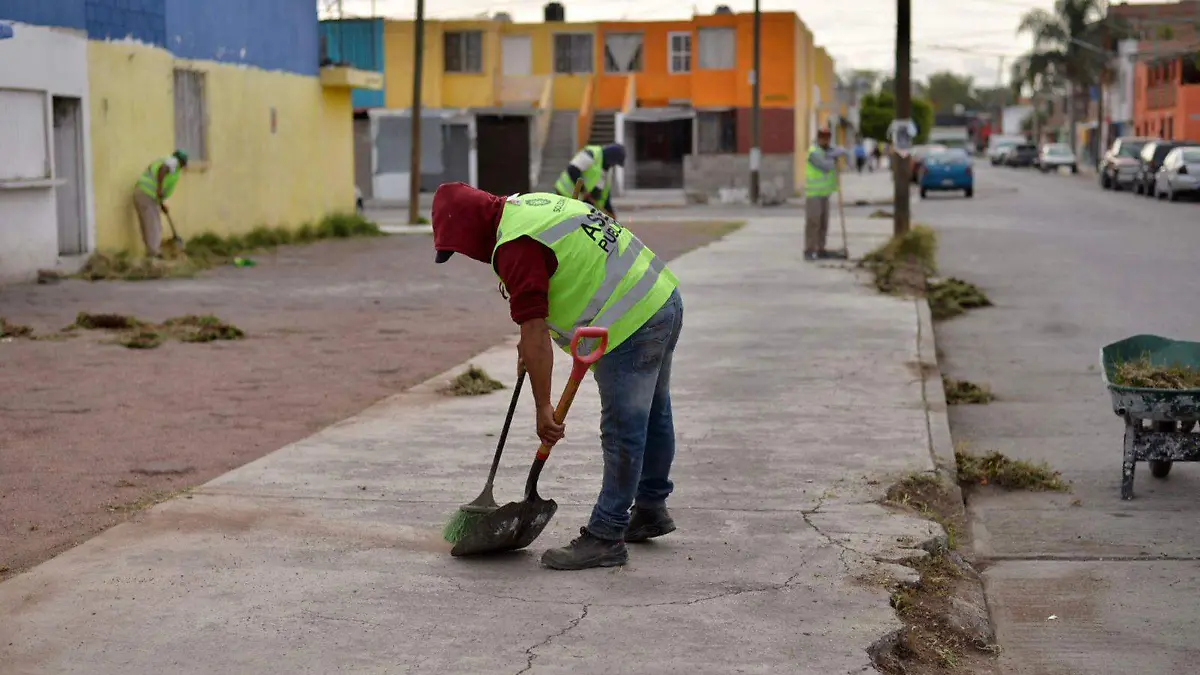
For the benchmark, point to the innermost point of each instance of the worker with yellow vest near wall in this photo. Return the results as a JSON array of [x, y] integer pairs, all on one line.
[[820, 181], [563, 265], [155, 185], [592, 164]]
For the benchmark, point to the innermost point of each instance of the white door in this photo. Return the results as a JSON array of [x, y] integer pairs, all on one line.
[[68, 168], [516, 54]]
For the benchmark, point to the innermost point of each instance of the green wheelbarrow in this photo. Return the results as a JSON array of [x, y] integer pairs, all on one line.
[[1160, 413]]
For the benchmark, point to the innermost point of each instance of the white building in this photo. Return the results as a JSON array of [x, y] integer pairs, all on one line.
[[46, 206], [1118, 96], [1012, 117]]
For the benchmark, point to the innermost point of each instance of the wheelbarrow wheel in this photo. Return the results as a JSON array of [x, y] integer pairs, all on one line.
[[1159, 468]]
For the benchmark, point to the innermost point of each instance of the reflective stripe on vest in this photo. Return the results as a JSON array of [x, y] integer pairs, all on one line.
[[605, 277], [591, 178], [818, 183], [148, 181]]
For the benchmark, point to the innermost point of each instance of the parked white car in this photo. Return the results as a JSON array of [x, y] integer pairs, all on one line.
[[1054, 156], [1179, 174]]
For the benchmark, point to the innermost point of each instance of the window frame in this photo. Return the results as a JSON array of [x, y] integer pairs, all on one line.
[[464, 52], [640, 56], [198, 154], [572, 37], [673, 53]]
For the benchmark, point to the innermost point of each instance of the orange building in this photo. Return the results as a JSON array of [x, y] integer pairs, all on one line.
[[678, 94], [1166, 99]]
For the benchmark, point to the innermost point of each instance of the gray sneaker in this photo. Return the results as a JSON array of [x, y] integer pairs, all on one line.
[[648, 523]]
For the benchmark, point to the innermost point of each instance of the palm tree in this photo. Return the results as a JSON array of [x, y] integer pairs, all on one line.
[[1065, 49]]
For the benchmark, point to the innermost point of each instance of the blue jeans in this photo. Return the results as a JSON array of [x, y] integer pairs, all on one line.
[[637, 434]]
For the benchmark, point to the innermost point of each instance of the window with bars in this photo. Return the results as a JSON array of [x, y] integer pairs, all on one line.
[[572, 53], [715, 47], [191, 114], [679, 52], [464, 51], [716, 132], [623, 53]]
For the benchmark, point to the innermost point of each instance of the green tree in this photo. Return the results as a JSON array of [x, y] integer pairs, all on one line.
[[945, 90], [876, 112], [1065, 48]]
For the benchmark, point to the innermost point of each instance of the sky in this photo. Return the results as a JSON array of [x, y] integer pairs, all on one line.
[[965, 36]]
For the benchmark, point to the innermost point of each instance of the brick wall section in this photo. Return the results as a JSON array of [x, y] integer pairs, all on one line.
[[144, 20], [776, 132], [705, 175]]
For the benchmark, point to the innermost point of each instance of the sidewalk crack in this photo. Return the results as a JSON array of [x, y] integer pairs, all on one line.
[[531, 653]]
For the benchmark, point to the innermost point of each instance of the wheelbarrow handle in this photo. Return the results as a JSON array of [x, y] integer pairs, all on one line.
[[579, 368]]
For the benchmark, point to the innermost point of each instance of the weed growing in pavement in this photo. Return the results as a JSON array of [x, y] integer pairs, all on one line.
[[926, 494], [473, 381], [961, 391], [994, 468], [208, 250], [1142, 373], [902, 264], [134, 333], [14, 330]]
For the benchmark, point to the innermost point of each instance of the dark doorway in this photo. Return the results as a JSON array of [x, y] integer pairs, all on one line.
[[362, 155], [659, 148], [503, 153]]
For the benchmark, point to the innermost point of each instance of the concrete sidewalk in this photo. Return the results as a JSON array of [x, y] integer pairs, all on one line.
[[798, 398]]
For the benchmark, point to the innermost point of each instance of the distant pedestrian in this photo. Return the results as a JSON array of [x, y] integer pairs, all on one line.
[[877, 156], [860, 156], [820, 178], [154, 187]]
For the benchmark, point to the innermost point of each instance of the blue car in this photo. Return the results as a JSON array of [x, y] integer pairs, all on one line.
[[948, 169]]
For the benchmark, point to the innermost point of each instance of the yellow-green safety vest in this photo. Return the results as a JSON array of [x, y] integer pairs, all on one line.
[[606, 276], [818, 183], [148, 181], [591, 178]]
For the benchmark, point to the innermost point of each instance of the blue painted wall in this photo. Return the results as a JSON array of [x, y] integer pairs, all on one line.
[[63, 13], [269, 34], [143, 20], [358, 43]]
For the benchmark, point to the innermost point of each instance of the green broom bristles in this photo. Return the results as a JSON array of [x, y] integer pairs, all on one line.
[[461, 523]]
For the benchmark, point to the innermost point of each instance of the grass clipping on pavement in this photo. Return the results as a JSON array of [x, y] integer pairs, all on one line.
[[905, 264], [473, 381], [959, 392], [14, 330], [210, 250], [995, 468], [134, 333], [1142, 373]]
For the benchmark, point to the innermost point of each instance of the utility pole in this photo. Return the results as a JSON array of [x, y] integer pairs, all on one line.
[[900, 192], [756, 78], [414, 169]]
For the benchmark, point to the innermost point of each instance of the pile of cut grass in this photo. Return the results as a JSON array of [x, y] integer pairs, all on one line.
[[903, 263], [474, 381], [1142, 373], [995, 468], [14, 330], [950, 297], [208, 250], [880, 214], [962, 391], [134, 333]]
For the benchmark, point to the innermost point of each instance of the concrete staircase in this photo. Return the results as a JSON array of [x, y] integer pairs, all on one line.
[[560, 148], [604, 127]]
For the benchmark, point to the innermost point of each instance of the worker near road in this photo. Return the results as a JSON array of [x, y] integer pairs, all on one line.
[[592, 164], [562, 265], [155, 185], [820, 181]]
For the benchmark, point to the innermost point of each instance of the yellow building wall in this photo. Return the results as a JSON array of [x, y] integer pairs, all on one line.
[[398, 64], [460, 90], [825, 81], [253, 176], [804, 57], [568, 89]]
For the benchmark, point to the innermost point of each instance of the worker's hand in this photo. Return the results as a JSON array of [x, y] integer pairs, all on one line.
[[520, 365], [549, 431], [163, 207]]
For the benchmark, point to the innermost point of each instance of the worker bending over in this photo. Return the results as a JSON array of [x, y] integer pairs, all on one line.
[[592, 164]]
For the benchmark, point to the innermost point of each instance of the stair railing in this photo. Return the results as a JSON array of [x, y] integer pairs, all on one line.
[[583, 129], [542, 131]]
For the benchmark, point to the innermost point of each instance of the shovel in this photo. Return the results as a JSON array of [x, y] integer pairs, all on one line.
[[515, 525], [175, 238]]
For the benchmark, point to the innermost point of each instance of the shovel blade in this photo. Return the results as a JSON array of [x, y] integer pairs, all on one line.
[[509, 528]]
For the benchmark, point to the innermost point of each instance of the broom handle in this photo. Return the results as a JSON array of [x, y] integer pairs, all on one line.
[[578, 189], [579, 368], [512, 408], [841, 206]]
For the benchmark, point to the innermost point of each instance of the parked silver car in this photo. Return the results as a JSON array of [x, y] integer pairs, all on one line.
[[1179, 174], [1055, 155]]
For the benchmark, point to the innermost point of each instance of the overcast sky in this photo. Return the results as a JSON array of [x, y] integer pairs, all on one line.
[[966, 36]]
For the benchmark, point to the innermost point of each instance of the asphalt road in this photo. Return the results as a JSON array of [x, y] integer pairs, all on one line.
[[1081, 583]]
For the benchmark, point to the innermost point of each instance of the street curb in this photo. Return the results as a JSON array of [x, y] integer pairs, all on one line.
[[941, 443]]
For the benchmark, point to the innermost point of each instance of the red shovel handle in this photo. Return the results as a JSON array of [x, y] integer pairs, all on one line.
[[578, 369]]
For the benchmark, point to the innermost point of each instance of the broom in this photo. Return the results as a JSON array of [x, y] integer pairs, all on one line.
[[468, 515]]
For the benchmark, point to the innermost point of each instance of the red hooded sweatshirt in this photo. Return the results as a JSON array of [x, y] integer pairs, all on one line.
[[465, 221]]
